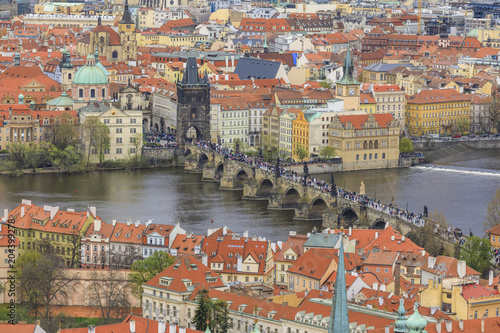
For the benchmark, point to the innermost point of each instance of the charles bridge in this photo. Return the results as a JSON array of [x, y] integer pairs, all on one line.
[[308, 202]]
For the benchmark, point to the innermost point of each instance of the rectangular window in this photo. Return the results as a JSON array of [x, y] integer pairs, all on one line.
[[118, 130], [133, 130], [118, 150], [118, 140], [118, 121]]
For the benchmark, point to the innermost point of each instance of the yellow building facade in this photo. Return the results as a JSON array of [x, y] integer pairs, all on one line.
[[368, 141], [300, 135], [187, 40], [437, 111]]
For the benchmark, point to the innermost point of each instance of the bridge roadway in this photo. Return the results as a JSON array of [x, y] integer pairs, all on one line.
[[314, 201]]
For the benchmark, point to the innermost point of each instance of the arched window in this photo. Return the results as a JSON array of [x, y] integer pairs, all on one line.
[[365, 145], [383, 156], [80, 93], [69, 76], [376, 144], [370, 157], [92, 92], [114, 55], [376, 155], [371, 144], [365, 157], [103, 93], [357, 157]]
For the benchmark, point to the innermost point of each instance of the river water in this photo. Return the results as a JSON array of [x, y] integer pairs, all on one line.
[[460, 188]]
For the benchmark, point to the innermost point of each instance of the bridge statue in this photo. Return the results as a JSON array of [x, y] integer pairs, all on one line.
[[362, 188], [278, 171], [306, 173]]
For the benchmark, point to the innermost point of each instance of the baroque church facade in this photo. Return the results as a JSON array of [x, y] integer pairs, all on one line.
[[115, 46]]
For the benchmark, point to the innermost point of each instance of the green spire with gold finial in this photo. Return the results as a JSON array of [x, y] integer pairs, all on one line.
[[339, 318]]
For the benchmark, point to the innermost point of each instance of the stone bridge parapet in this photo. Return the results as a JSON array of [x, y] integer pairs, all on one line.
[[307, 202]]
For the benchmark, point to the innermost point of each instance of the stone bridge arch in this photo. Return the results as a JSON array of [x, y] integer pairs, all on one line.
[[291, 197], [219, 171], [379, 224], [203, 159], [240, 178], [318, 206], [348, 217], [187, 152], [265, 187]]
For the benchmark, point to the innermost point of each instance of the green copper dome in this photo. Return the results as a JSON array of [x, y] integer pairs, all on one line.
[[90, 74], [416, 323]]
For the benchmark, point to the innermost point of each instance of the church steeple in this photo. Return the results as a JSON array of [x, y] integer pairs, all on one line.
[[400, 324], [339, 318], [266, 48], [126, 18], [348, 78]]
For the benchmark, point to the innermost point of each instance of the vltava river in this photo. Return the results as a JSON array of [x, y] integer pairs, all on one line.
[[460, 189]]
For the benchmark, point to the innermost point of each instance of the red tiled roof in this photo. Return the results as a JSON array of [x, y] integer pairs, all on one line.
[[383, 119], [438, 96], [186, 268], [114, 37], [476, 290]]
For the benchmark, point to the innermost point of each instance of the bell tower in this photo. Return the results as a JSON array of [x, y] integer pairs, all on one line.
[[67, 71], [126, 28], [348, 86]]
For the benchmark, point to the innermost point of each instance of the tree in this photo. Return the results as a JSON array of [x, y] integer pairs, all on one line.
[[108, 293], [219, 316], [269, 147], [428, 235], [144, 270], [237, 145], [477, 254], [95, 136], [405, 145], [492, 212], [217, 313], [326, 83], [495, 112], [41, 278], [462, 126], [75, 240], [63, 133], [327, 153], [68, 157], [201, 314], [301, 152]]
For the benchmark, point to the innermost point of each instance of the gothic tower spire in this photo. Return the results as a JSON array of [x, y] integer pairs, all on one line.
[[339, 318]]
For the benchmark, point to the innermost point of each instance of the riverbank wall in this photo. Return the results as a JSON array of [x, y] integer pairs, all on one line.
[[172, 156], [477, 144]]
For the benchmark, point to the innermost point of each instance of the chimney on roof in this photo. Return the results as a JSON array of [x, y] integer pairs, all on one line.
[[245, 233], [350, 231], [113, 222], [172, 328], [461, 325], [5, 214], [137, 223], [22, 211], [53, 211], [449, 326], [93, 210], [182, 329], [97, 225], [91, 328], [376, 234], [438, 326], [375, 286], [431, 262], [224, 230], [461, 267], [397, 278], [490, 278], [380, 301], [132, 326], [129, 222]]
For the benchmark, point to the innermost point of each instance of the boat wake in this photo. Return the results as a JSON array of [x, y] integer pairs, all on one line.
[[471, 171]]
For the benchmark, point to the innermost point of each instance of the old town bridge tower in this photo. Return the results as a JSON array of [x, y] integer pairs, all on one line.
[[193, 104]]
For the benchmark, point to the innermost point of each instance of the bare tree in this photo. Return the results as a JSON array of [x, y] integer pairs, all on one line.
[[108, 293], [41, 277], [493, 212]]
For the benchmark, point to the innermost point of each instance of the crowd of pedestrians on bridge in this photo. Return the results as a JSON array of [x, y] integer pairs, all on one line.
[[416, 219], [159, 140]]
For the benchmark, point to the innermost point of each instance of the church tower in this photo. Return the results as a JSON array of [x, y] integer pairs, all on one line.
[[348, 86], [193, 104], [339, 318], [126, 28], [67, 71]]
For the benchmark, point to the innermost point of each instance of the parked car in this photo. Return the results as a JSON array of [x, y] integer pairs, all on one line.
[[456, 136]]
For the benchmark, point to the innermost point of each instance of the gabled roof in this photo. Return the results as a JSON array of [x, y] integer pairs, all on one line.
[[315, 264], [248, 68], [438, 96], [186, 268], [384, 119]]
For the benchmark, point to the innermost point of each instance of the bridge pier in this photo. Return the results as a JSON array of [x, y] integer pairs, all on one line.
[[302, 210], [191, 164], [208, 173]]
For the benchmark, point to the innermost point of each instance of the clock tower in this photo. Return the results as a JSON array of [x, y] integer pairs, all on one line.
[[348, 86]]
